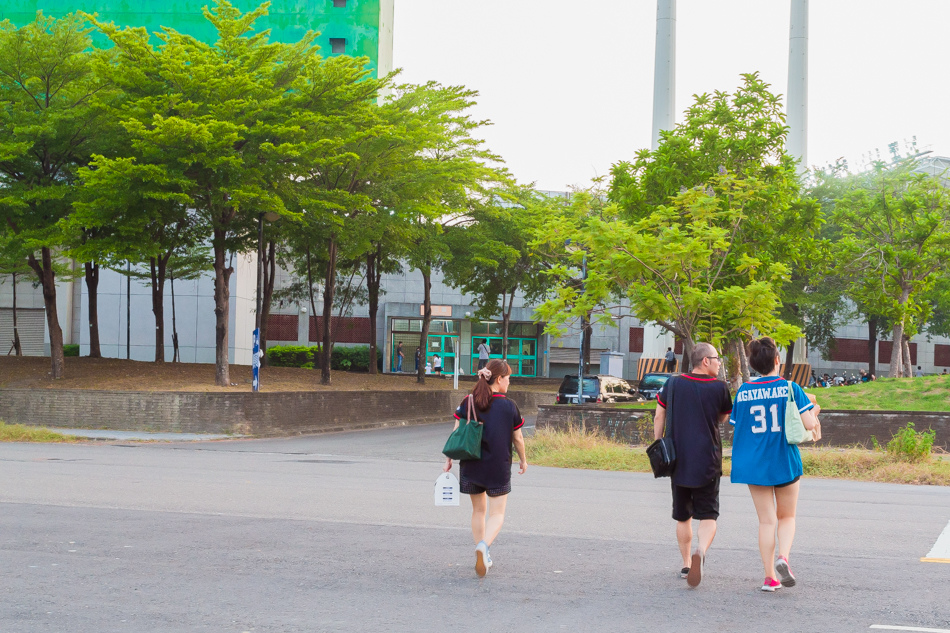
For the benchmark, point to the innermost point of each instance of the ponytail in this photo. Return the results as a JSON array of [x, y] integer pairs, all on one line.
[[482, 393]]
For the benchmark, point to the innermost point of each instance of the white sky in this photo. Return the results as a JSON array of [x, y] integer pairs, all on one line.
[[568, 83]]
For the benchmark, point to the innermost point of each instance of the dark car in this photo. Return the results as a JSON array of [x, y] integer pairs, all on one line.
[[651, 384], [596, 389]]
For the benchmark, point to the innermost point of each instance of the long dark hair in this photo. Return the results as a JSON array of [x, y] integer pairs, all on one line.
[[482, 392]]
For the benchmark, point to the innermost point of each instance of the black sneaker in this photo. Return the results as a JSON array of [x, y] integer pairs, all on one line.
[[684, 572]]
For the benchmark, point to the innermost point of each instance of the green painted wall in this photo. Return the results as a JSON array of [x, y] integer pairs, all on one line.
[[358, 23]]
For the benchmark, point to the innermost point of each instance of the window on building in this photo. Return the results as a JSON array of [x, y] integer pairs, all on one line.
[[338, 45], [339, 4]]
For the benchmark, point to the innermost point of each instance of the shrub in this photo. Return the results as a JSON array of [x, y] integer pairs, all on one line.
[[343, 359], [292, 355], [909, 445], [353, 358], [70, 350]]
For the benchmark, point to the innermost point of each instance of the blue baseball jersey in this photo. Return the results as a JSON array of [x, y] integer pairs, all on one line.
[[760, 454]]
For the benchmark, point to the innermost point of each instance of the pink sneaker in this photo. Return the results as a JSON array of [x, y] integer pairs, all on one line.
[[784, 572], [770, 584]]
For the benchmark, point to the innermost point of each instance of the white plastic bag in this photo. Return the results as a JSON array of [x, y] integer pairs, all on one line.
[[447, 490]]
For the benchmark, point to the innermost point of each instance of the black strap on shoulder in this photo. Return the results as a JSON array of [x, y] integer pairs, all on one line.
[[669, 407]]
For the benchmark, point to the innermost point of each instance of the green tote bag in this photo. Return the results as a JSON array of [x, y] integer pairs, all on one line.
[[465, 442]]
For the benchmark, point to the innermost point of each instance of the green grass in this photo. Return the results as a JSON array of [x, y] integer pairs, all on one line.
[[21, 433], [649, 405], [930, 393], [574, 449]]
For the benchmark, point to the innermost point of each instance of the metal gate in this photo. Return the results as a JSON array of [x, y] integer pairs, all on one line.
[[31, 325]]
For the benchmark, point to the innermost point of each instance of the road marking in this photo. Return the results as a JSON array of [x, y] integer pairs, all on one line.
[[940, 553], [908, 628]]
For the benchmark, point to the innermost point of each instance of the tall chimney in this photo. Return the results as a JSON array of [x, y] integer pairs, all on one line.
[[664, 71], [797, 97]]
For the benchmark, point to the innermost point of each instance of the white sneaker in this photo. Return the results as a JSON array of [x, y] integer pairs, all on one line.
[[482, 561], [488, 558]]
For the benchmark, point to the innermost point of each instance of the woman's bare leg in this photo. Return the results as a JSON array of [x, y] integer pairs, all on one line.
[[786, 501], [496, 517], [479, 508], [764, 500]]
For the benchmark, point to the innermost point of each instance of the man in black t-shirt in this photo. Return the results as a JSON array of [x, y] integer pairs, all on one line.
[[699, 403]]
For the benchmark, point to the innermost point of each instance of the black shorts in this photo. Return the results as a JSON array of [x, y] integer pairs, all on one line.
[[696, 503], [788, 483], [469, 488]]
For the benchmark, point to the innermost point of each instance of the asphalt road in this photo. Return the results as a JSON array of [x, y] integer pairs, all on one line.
[[339, 533]]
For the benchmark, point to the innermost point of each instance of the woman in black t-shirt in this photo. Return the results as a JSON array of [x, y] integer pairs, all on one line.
[[490, 477]]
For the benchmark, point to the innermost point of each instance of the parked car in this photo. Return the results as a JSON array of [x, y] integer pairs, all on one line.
[[596, 389], [651, 384]]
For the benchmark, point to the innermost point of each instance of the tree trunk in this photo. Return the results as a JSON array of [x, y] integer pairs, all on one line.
[[158, 267], [905, 350], [872, 346], [328, 289], [175, 355], [743, 361], [373, 279], [270, 273], [44, 271], [687, 364], [426, 318], [585, 342], [789, 359], [897, 336], [16, 332], [92, 289], [222, 296]]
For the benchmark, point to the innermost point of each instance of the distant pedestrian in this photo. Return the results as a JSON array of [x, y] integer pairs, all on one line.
[[765, 461], [944, 372], [418, 358], [399, 356], [437, 365], [487, 480], [483, 354], [919, 373], [699, 403], [670, 360]]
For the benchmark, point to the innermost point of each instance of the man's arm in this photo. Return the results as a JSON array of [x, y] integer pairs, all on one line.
[[659, 421]]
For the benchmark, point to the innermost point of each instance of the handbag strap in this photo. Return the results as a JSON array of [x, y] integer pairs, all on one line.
[[667, 432], [791, 390], [472, 415]]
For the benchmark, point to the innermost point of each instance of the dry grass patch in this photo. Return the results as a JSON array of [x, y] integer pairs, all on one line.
[[861, 464], [593, 451], [21, 433], [577, 449]]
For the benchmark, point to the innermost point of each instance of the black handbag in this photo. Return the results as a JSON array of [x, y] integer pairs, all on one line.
[[662, 453]]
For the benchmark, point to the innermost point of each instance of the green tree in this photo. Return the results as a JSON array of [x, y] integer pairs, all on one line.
[[676, 268], [53, 114], [492, 258], [895, 228], [227, 123], [721, 189]]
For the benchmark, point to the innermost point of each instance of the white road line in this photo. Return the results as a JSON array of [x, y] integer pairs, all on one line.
[[908, 628], [940, 553]]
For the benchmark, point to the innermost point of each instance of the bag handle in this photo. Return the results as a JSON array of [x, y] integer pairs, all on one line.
[[472, 415], [667, 432]]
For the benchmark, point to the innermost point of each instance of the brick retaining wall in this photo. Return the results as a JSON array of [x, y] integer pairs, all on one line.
[[261, 414], [839, 428]]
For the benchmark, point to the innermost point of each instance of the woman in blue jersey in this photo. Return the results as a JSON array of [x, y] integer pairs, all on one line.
[[766, 462], [487, 481]]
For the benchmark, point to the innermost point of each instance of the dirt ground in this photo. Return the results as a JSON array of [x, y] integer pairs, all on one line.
[[127, 375]]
